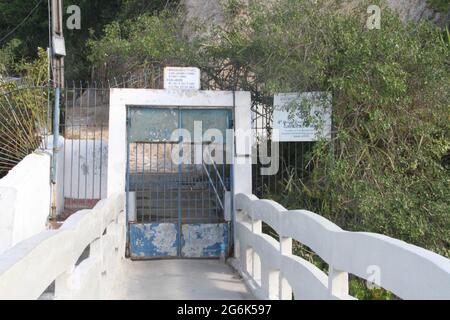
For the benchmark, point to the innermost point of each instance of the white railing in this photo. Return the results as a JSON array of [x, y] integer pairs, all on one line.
[[30, 267], [24, 199], [273, 272]]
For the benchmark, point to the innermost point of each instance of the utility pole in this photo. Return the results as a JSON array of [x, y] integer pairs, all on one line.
[[58, 45], [57, 66]]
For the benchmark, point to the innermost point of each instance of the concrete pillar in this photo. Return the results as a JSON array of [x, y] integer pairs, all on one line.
[[64, 285], [243, 143], [285, 290], [337, 282]]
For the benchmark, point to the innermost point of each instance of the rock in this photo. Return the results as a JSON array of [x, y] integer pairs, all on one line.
[[209, 12]]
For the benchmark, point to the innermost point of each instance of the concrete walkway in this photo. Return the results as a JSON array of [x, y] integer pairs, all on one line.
[[180, 279]]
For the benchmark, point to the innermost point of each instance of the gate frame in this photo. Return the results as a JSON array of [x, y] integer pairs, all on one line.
[[238, 101]]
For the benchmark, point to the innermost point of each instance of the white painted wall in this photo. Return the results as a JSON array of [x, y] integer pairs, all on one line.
[[120, 98], [273, 272], [85, 168], [24, 200]]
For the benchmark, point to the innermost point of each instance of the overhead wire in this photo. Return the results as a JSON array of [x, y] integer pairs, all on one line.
[[22, 22]]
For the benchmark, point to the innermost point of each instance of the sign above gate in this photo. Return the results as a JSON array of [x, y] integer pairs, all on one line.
[[182, 78], [302, 116]]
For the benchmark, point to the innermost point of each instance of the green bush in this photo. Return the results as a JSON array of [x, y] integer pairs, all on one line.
[[440, 5], [391, 91], [23, 111], [139, 43], [385, 169]]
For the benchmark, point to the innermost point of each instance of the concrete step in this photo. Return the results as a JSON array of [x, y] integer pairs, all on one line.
[[183, 219], [148, 178], [170, 186], [174, 194], [173, 202], [173, 212]]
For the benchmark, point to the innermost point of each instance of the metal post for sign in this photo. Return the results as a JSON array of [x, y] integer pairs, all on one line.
[[56, 112], [58, 53], [231, 241]]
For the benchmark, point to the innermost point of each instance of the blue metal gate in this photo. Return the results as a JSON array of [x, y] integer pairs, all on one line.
[[176, 190]]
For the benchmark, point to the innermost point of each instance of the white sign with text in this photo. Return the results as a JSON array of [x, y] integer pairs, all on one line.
[[182, 78], [302, 116]]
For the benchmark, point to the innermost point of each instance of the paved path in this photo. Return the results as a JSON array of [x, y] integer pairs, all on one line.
[[180, 279]]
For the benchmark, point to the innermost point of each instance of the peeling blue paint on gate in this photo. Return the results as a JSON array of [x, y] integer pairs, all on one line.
[[176, 210], [203, 240], [153, 240]]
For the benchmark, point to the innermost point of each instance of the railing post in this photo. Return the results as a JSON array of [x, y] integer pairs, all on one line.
[[64, 285], [256, 262], [248, 263], [337, 282], [285, 290], [237, 249], [285, 246], [270, 282], [256, 226]]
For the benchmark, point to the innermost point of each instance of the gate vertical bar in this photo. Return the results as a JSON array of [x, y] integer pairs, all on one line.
[[55, 150], [231, 236], [127, 187], [179, 184]]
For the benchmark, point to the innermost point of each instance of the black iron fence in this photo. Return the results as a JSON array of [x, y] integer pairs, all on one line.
[[84, 130], [292, 157], [24, 122]]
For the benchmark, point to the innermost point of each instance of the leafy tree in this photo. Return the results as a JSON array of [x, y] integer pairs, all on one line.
[[95, 14], [8, 57], [33, 33], [133, 44]]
